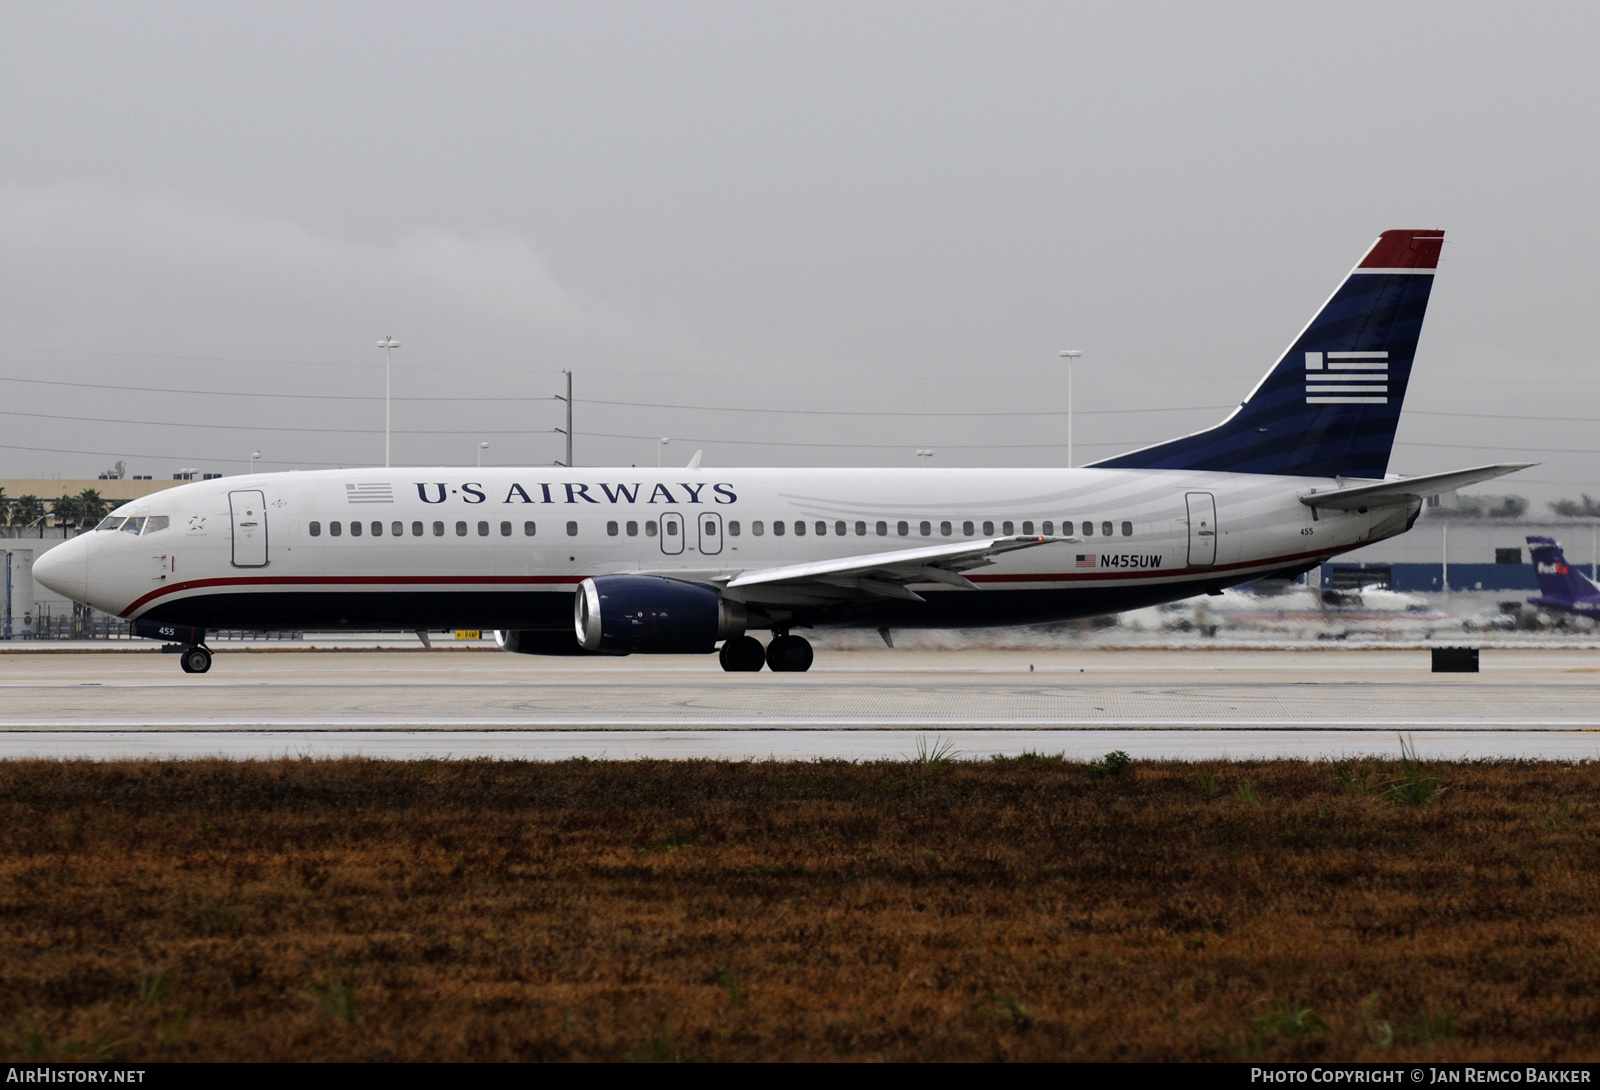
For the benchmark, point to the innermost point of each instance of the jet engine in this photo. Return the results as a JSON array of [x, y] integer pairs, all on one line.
[[652, 615]]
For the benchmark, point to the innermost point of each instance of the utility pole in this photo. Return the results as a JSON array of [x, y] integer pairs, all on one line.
[[567, 431]]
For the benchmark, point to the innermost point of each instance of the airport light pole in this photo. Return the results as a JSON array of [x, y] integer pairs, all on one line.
[[388, 344], [1070, 355], [481, 448], [661, 445], [926, 455], [254, 458]]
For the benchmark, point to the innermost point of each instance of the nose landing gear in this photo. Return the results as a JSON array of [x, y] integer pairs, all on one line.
[[195, 660]]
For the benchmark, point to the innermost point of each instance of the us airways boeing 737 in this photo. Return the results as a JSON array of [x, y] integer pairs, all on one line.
[[574, 561]]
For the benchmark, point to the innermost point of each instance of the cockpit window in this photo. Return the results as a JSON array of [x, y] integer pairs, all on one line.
[[155, 523], [110, 522], [133, 526]]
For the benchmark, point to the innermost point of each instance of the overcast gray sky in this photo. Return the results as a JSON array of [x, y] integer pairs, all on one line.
[[714, 211]]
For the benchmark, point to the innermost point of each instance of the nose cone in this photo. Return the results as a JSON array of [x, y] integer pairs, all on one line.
[[65, 569]]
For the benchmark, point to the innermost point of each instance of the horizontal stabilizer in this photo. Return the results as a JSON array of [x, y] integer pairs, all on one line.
[[1405, 489], [940, 563]]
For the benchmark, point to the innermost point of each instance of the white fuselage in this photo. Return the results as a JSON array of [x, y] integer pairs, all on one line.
[[504, 548]]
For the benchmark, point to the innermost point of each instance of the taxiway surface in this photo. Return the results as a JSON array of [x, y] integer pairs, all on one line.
[[863, 704]]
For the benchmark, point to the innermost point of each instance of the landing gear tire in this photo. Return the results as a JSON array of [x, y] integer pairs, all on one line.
[[789, 655], [742, 655], [195, 660]]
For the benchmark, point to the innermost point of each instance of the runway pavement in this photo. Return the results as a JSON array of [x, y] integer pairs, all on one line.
[[1313, 702]]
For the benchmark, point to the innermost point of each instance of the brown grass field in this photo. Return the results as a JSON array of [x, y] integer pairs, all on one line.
[[1006, 910]]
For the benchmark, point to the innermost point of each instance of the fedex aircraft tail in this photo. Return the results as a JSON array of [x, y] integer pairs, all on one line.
[[1559, 584], [1330, 406]]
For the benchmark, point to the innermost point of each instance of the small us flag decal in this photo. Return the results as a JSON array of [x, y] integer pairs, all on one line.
[[1087, 560], [369, 493]]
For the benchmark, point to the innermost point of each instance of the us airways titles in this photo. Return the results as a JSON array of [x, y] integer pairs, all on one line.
[[472, 492]]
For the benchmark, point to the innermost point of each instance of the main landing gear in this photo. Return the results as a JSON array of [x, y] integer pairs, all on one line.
[[785, 654], [195, 659]]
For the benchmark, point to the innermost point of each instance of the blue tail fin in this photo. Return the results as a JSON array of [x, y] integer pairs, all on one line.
[[1330, 406], [1559, 584]]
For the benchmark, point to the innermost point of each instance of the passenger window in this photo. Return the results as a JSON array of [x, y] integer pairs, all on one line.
[[883, 529], [416, 529], [966, 529], [377, 529], [334, 529], [314, 529], [988, 529], [156, 523], [133, 526], [945, 529], [355, 529], [903, 528], [572, 529], [668, 528], [438, 529], [529, 529], [505, 529], [799, 528], [757, 528], [840, 528], [1048, 529], [110, 522], [1105, 529], [483, 529], [612, 529], [1027, 527], [397, 529], [710, 529], [1066, 528], [861, 529], [1088, 528], [650, 528], [1007, 529], [822, 528], [461, 529], [777, 527], [633, 529], [1127, 529]]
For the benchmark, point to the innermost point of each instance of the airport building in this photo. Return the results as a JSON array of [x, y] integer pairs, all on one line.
[[1463, 546]]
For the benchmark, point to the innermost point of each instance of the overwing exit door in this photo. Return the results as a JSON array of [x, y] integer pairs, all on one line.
[[249, 514], [1202, 529], [710, 524], [672, 534]]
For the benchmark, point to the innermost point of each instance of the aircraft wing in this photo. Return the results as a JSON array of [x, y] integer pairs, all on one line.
[[1398, 491], [886, 574]]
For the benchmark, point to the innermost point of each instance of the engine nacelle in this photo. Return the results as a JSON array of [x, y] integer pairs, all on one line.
[[652, 615], [530, 642]]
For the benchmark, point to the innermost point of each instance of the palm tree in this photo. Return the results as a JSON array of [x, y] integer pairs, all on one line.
[[91, 507], [26, 510], [67, 511], [5, 508]]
